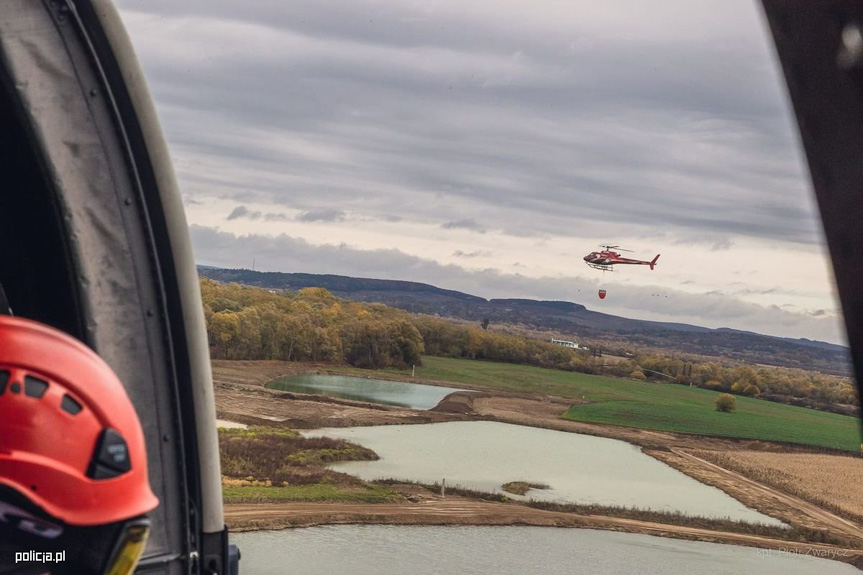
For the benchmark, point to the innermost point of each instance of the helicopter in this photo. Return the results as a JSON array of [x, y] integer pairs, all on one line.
[[605, 259]]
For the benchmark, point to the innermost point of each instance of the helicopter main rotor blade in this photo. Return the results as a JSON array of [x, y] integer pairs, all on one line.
[[614, 248]]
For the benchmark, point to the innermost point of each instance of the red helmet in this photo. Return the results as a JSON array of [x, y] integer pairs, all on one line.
[[70, 440]]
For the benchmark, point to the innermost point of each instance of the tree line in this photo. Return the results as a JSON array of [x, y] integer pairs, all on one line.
[[313, 325], [781, 384], [309, 325]]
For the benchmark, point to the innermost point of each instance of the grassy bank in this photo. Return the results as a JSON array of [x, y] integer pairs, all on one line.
[[788, 533], [522, 487], [793, 533], [320, 492], [657, 406]]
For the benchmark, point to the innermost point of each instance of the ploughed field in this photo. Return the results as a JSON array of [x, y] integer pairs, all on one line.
[[648, 405], [827, 480]]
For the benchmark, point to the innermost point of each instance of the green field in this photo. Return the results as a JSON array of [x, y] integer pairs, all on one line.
[[318, 492], [659, 406]]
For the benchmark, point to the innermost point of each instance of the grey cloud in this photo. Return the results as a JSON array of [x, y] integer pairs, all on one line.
[[714, 242], [243, 212], [466, 224], [766, 291], [322, 215], [474, 254], [287, 253], [538, 126]]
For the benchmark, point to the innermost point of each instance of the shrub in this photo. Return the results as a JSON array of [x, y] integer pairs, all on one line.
[[751, 390], [712, 384], [522, 487], [283, 456], [726, 403]]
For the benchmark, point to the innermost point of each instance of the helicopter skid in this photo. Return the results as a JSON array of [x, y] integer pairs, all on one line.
[[603, 267]]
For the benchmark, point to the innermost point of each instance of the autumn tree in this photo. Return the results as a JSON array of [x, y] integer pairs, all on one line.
[[726, 403]]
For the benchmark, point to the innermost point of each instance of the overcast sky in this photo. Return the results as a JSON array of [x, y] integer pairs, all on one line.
[[487, 146]]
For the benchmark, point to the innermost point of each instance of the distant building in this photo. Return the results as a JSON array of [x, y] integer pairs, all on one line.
[[564, 343]]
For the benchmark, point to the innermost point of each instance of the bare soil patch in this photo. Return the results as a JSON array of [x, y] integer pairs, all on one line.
[[827, 480]]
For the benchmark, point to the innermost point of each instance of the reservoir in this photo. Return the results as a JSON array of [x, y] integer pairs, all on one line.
[[395, 550], [401, 394], [578, 468]]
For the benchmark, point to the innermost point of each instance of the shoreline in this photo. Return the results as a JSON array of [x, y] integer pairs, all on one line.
[[457, 511]]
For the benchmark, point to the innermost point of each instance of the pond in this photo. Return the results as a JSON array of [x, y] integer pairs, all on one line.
[[398, 393], [578, 468], [395, 550]]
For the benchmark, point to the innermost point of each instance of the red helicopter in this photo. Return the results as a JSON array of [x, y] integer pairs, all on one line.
[[605, 259]]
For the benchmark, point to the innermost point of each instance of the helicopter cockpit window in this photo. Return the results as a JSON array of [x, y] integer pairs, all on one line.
[[596, 215]]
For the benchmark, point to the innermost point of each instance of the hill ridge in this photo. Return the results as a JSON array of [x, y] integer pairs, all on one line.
[[570, 318]]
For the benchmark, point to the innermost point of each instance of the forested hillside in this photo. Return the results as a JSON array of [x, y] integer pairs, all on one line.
[[313, 325]]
